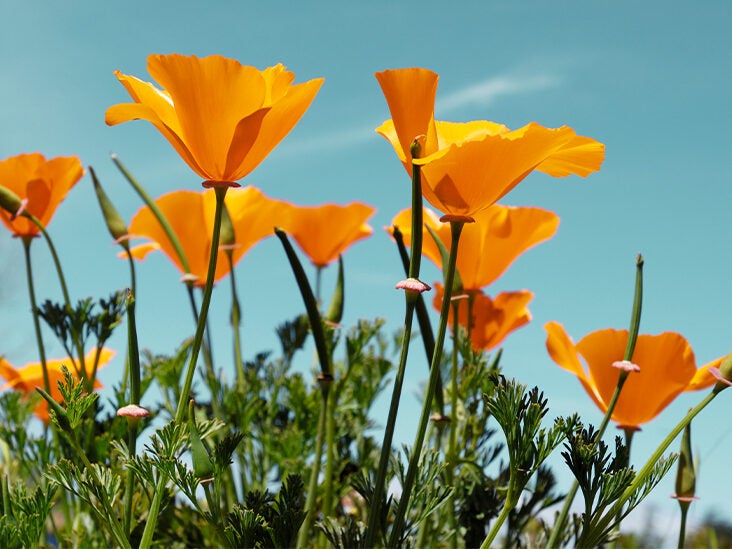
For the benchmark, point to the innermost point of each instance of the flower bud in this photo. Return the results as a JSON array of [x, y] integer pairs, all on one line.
[[115, 224], [203, 467], [685, 474], [10, 201]]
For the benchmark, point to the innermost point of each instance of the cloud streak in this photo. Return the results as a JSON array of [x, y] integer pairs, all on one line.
[[489, 91], [483, 93]]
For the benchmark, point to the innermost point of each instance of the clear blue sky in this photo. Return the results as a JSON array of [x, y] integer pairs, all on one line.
[[651, 80]]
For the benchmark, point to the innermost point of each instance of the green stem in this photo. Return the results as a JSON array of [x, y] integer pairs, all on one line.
[[423, 318], [147, 534], [380, 482], [682, 527], [642, 475], [397, 530], [452, 438], [150, 203], [67, 301], [27, 240], [310, 503], [508, 505], [235, 320], [330, 449], [635, 317]]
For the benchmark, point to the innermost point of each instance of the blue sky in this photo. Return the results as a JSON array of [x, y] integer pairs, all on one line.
[[650, 80]]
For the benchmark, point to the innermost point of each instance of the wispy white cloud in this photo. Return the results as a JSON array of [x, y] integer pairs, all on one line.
[[488, 91], [485, 92]]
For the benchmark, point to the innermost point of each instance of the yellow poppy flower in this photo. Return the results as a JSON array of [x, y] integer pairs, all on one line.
[[223, 118], [491, 244], [491, 319], [466, 167], [667, 368], [30, 376], [41, 183], [191, 216], [324, 232]]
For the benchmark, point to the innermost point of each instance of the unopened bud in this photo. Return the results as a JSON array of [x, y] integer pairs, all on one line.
[[10, 201]]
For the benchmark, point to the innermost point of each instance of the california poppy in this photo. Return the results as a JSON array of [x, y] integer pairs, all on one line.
[[223, 118], [667, 368], [30, 376], [324, 232], [491, 244], [491, 319], [466, 167], [42, 183], [191, 216]]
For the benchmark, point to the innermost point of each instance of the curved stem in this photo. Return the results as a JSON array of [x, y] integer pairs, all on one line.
[[397, 530], [380, 482], [302, 536], [147, 534], [34, 309]]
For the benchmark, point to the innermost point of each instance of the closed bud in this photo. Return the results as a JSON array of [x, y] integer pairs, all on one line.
[[115, 224], [685, 474], [10, 201]]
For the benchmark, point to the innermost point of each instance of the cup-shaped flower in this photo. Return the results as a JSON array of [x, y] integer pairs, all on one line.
[[26, 378], [223, 118], [41, 184], [667, 368], [491, 319], [324, 232], [498, 237], [466, 167], [191, 216]]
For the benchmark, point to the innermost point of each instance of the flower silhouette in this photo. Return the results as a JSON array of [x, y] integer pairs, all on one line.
[[223, 118], [324, 232], [41, 184], [491, 319], [667, 368], [191, 216], [490, 245], [467, 167], [28, 377]]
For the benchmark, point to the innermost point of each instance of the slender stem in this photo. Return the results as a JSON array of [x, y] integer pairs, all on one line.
[[27, 240], [330, 449], [452, 457], [150, 203], [397, 529], [635, 317], [682, 527], [423, 318], [380, 482], [235, 320], [149, 530], [310, 503], [508, 505], [67, 301], [642, 475]]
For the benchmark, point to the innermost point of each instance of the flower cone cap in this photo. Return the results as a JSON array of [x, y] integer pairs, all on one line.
[[667, 368], [43, 183], [223, 118]]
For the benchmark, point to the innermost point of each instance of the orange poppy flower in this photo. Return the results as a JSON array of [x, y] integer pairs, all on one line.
[[466, 167], [667, 368], [324, 232], [491, 244], [191, 216], [30, 376], [42, 183], [223, 118], [491, 320]]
